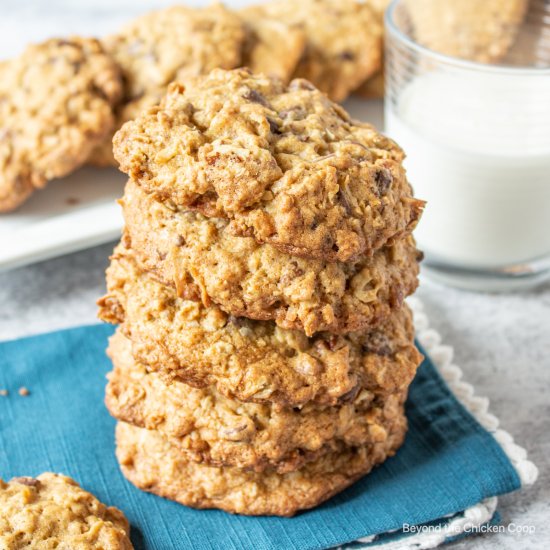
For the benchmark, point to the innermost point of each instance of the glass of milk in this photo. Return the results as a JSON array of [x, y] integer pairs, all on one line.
[[473, 116]]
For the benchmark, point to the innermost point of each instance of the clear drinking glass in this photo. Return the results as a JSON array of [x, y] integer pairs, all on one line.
[[468, 99]]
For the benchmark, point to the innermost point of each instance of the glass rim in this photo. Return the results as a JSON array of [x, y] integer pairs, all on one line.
[[393, 29]]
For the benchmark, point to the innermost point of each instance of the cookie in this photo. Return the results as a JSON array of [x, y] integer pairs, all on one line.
[[201, 256], [379, 7], [212, 429], [373, 87], [344, 42], [166, 45], [53, 511], [469, 29], [155, 465], [252, 360], [56, 105], [286, 165], [271, 47]]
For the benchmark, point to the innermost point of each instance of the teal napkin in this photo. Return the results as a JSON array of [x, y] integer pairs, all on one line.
[[448, 463]]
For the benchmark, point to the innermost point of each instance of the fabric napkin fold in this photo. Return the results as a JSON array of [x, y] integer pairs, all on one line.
[[446, 475]]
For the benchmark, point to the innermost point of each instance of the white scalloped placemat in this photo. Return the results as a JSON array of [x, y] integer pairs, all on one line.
[[482, 513]]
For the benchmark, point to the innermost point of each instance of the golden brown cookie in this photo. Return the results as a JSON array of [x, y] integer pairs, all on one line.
[[379, 7], [252, 360], [344, 41], [53, 511], [212, 429], [272, 47], [56, 102], [155, 465], [373, 86], [166, 45], [469, 29], [284, 164], [202, 257]]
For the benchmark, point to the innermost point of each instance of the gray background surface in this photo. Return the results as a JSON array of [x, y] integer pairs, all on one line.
[[502, 342]]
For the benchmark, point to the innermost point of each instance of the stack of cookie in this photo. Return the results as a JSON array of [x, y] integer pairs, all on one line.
[[264, 351]]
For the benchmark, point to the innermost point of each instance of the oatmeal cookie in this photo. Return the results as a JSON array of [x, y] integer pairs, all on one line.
[[344, 41], [155, 465], [373, 86], [53, 511], [379, 7], [166, 45], [202, 257], [56, 104], [252, 360], [212, 429], [286, 165], [469, 29], [271, 47]]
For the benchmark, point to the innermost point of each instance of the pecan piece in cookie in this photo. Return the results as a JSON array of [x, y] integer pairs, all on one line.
[[286, 165], [56, 105]]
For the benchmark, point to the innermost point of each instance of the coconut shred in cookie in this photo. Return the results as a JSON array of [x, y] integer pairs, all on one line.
[[484, 170]]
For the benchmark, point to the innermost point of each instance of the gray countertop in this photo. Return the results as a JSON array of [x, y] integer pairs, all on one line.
[[502, 343]]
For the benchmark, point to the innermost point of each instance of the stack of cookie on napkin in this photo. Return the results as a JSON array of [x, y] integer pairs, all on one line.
[[264, 350]]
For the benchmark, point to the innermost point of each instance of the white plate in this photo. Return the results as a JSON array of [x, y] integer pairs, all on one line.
[[80, 211], [70, 214]]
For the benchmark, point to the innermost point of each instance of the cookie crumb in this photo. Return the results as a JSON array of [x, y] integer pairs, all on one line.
[[3, 393], [24, 391]]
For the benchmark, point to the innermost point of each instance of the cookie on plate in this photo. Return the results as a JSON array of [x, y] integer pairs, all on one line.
[[373, 86], [286, 165], [469, 29], [379, 7], [344, 41], [53, 511], [203, 260], [153, 464], [212, 429], [166, 45], [272, 47], [252, 360], [56, 104]]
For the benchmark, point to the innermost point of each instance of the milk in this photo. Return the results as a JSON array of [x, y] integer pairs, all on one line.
[[478, 150]]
